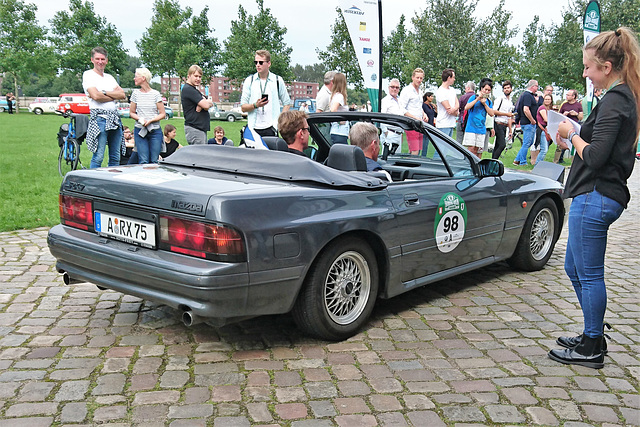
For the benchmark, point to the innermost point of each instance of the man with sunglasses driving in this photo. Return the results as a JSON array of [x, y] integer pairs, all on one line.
[[262, 95]]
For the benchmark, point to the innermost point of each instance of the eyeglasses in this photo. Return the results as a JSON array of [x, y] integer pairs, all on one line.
[[394, 87], [259, 62], [307, 129]]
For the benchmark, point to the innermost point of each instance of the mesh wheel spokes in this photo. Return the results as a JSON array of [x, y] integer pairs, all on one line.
[[347, 287], [542, 232]]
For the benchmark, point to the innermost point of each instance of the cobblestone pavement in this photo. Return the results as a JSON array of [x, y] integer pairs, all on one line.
[[466, 351]]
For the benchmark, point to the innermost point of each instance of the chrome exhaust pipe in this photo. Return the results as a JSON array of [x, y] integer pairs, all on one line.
[[190, 319], [68, 280]]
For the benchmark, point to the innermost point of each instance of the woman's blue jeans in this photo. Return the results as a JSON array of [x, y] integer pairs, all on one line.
[[590, 216], [148, 147], [113, 138]]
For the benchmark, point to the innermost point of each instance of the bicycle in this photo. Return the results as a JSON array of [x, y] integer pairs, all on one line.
[[70, 137]]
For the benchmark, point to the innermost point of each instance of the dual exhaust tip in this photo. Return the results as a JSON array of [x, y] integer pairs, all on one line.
[[188, 317]]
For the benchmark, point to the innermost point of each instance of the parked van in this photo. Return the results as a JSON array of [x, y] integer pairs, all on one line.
[[75, 102]]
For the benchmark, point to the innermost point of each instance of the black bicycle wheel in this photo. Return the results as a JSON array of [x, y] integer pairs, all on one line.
[[68, 157]]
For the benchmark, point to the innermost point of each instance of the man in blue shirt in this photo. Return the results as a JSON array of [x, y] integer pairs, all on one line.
[[527, 109], [477, 107]]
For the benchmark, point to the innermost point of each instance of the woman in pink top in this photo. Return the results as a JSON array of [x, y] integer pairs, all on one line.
[[541, 119]]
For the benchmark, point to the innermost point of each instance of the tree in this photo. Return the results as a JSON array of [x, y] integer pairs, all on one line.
[[340, 54], [126, 78], [77, 32], [562, 54], [396, 49], [178, 39], [250, 33], [22, 47], [234, 96], [447, 35], [614, 13], [534, 43], [309, 73]]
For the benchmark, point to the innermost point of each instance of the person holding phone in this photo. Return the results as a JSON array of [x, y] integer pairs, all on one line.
[[263, 93]]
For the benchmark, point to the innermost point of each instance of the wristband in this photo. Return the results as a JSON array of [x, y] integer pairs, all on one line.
[[571, 135], [255, 105]]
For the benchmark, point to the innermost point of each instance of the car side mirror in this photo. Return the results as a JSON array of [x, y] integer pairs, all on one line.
[[490, 167]]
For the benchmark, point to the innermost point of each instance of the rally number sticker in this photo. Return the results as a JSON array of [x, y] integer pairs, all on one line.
[[451, 222]]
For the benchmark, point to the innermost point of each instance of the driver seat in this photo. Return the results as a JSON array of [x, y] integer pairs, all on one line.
[[348, 158]]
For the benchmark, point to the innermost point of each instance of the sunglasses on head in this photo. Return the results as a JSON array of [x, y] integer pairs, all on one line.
[[259, 62]]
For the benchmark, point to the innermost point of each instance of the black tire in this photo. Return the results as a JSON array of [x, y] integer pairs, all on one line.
[[68, 157], [37, 111], [231, 118], [538, 238], [339, 292]]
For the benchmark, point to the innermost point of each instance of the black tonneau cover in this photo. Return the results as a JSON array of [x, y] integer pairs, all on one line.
[[270, 164]]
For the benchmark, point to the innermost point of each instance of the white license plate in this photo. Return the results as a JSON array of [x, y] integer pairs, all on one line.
[[126, 229]]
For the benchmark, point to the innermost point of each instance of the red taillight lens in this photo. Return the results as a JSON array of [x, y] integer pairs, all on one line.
[[76, 212], [200, 239]]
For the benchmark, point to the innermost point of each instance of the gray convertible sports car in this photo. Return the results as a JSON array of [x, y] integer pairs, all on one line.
[[223, 233]]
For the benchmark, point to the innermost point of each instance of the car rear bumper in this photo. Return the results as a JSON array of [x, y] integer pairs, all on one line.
[[208, 289]]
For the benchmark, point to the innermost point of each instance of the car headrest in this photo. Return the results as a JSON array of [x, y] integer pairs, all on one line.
[[275, 143], [348, 158]]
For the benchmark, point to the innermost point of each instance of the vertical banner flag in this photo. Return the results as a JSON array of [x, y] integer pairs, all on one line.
[[363, 22], [591, 28]]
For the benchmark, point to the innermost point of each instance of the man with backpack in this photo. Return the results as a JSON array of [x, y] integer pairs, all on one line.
[[262, 95], [469, 90]]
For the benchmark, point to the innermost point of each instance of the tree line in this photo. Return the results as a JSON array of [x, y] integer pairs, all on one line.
[[445, 34]]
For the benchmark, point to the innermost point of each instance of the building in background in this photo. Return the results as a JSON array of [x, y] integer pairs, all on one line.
[[220, 88]]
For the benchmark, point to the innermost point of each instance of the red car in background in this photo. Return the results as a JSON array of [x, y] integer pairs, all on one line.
[[74, 102]]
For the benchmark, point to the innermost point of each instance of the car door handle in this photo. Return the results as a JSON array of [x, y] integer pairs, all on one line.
[[411, 199]]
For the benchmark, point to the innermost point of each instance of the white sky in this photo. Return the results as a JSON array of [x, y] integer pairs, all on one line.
[[308, 23]]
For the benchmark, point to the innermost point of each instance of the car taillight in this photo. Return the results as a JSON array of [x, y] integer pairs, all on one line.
[[210, 241], [76, 212]]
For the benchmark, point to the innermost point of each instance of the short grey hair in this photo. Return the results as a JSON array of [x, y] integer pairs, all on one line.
[[532, 83], [394, 80], [362, 133], [144, 72], [470, 85], [328, 77]]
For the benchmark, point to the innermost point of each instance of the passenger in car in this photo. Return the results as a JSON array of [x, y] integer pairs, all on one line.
[[365, 135], [294, 129]]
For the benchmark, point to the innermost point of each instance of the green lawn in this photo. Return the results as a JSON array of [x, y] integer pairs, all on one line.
[[29, 166]]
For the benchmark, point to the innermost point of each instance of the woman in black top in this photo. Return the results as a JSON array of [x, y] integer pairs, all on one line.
[[597, 182], [429, 108], [171, 144]]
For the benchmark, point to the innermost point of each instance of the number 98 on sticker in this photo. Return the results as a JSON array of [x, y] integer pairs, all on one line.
[[450, 222]]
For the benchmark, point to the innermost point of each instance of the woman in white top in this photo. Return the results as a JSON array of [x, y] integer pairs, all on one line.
[[338, 102], [147, 110]]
